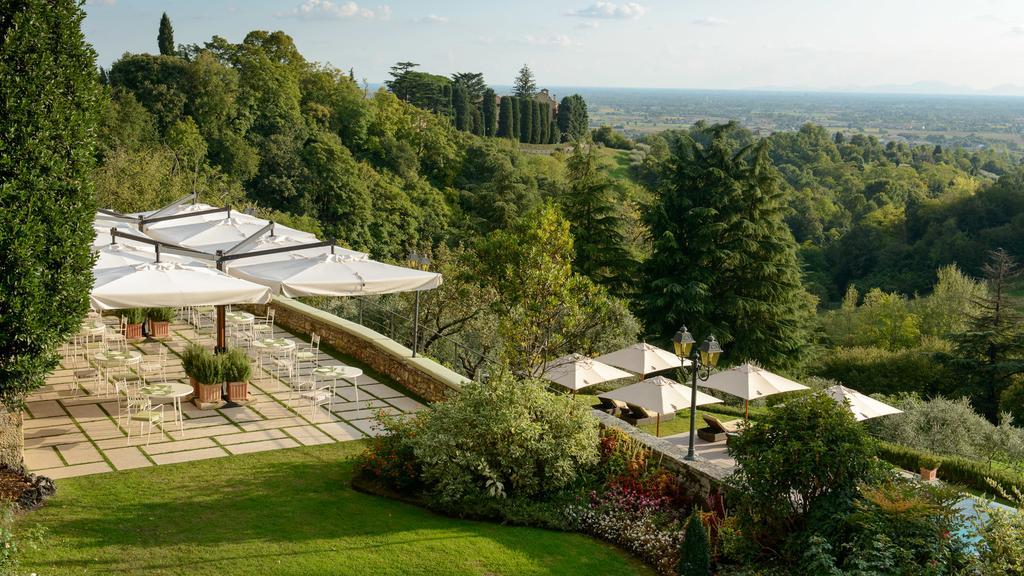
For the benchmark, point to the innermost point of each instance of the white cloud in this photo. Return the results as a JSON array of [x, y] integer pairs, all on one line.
[[432, 19], [588, 25], [709, 21], [100, 2], [336, 10], [600, 9], [557, 40]]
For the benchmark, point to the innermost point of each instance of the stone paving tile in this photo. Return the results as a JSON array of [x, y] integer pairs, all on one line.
[[340, 431], [309, 435], [45, 409], [213, 419], [369, 426], [77, 470], [204, 432], [379, 390], [102, 430], [189, 455], [349, 393], [38, 458], [179, 445], [45, 441], [42, 423], [127, 458], [276, 423], [251, 436], [240, 414], [406, 404], [263, 446], [366, 414], [272, 409], [87, 412], [79, 453], [363, 404]]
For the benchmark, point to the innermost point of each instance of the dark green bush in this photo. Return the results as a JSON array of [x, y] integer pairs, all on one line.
[[160, 314], [134, 315], [695, 552], [951, 469], [874, 370]]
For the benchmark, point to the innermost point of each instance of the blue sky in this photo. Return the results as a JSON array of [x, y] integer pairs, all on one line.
[[730, 44]]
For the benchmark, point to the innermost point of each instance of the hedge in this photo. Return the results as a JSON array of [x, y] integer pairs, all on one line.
[[952, 469]]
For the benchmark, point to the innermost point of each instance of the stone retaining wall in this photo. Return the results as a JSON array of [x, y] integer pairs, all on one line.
[[426, 378], [699, 477]]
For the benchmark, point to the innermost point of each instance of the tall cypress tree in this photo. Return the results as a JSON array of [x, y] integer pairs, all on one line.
[[490, 112], [525, 119], [46, 195], [724, 261], [516, 117], [505, 126], [545, 122], [573, 120], [165, 38], [460, 106], [478, 121], [554, 134], [535, 129]]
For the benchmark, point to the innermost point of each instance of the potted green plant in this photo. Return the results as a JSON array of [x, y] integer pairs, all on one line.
[[236, 371], [929, 467], [160, 322], [133, 328], [206, 369], [188, 357]]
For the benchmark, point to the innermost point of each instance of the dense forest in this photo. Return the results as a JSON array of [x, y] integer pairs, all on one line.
[[805, 250]]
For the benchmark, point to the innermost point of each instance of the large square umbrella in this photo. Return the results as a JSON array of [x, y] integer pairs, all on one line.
[[660, 395], [863, 406], [577, 371], [642, 359], [171, 284], [749, 381]]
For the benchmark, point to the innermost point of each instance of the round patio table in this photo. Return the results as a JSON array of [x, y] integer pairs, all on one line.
[[118, 359], [240, 318], [173, 391], [272, 346], [349, 373]]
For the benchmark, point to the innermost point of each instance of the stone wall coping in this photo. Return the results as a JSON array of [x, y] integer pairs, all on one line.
[[442, 374]]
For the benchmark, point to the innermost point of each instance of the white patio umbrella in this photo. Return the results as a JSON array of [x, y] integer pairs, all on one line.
[[335, 275], [659, 394], [212, 235], [750, 382], [268, 242], [123, 254], [642, 359], [863, 406], [170, 284], [577, 371]]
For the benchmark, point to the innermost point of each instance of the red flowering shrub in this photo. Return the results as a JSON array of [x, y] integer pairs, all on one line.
[[389, 458]]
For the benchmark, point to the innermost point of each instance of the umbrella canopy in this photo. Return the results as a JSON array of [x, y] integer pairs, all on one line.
[[750, 382], [212, 235], [659, 394], [268, 242], [170, 284], [642, 359], [335, 275], [577, 371], [123, 254], [863, 406]]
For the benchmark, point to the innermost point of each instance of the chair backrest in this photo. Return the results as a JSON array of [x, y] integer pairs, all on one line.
[[314, 342], [270, 315], [715, 424], [640, 411], [137, 400]]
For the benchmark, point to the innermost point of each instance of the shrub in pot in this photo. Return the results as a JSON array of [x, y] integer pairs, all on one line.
[[188, 357], [236, 370], [135, 317], [206, 369], [160, 322], [929, 466]]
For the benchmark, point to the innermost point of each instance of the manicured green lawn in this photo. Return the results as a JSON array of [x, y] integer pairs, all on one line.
[[283, 512]]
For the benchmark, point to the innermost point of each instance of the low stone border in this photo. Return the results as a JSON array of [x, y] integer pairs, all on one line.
[[423, 376]]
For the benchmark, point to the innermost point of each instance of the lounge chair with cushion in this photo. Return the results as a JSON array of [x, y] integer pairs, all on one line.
[[716, 430], [638, 415], [613, 407]]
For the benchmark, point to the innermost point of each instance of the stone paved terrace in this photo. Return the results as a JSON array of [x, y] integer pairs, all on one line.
[[69, 434]]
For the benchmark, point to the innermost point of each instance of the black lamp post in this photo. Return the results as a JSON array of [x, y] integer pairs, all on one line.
[[700, 366]]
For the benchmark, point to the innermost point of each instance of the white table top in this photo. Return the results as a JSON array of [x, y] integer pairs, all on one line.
[[274, 343], [93, 326], [238, 317], [116, 356], [166, 390], [338, 371]]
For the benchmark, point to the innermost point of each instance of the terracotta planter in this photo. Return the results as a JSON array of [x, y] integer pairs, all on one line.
[[195, 386], [133, 331], [159, 330], [209, 393], [238, 391], [928, 474]]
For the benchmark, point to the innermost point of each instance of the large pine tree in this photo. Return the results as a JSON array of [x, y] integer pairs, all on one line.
[[724, 262], [49, 99], [525, 86], [165, 38]]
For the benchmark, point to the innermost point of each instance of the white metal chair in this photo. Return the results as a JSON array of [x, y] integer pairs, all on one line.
[[318, 395], [310, 354], [119, 335], [142, 411], [157, 366], [284, 360], [263, 326]]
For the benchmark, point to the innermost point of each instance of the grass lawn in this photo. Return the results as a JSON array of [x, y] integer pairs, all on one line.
[[283, 512], [681, 423]]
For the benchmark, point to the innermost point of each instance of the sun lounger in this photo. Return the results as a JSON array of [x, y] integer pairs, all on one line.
[[613, 407], [716, 430], [638, 415]]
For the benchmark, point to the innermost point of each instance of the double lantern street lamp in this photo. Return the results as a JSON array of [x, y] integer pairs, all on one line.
[[700, 365]]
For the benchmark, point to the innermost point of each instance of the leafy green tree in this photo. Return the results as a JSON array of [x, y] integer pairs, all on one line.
[[427, 91], [473, 83], [160, 83], [724, 261], [525, 120], [506, 126], [165, 38], [695, 552], [525, 86], [490, 113], [990, 353], [478, 121], [46, 199], [595, 221], [573, 121]]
